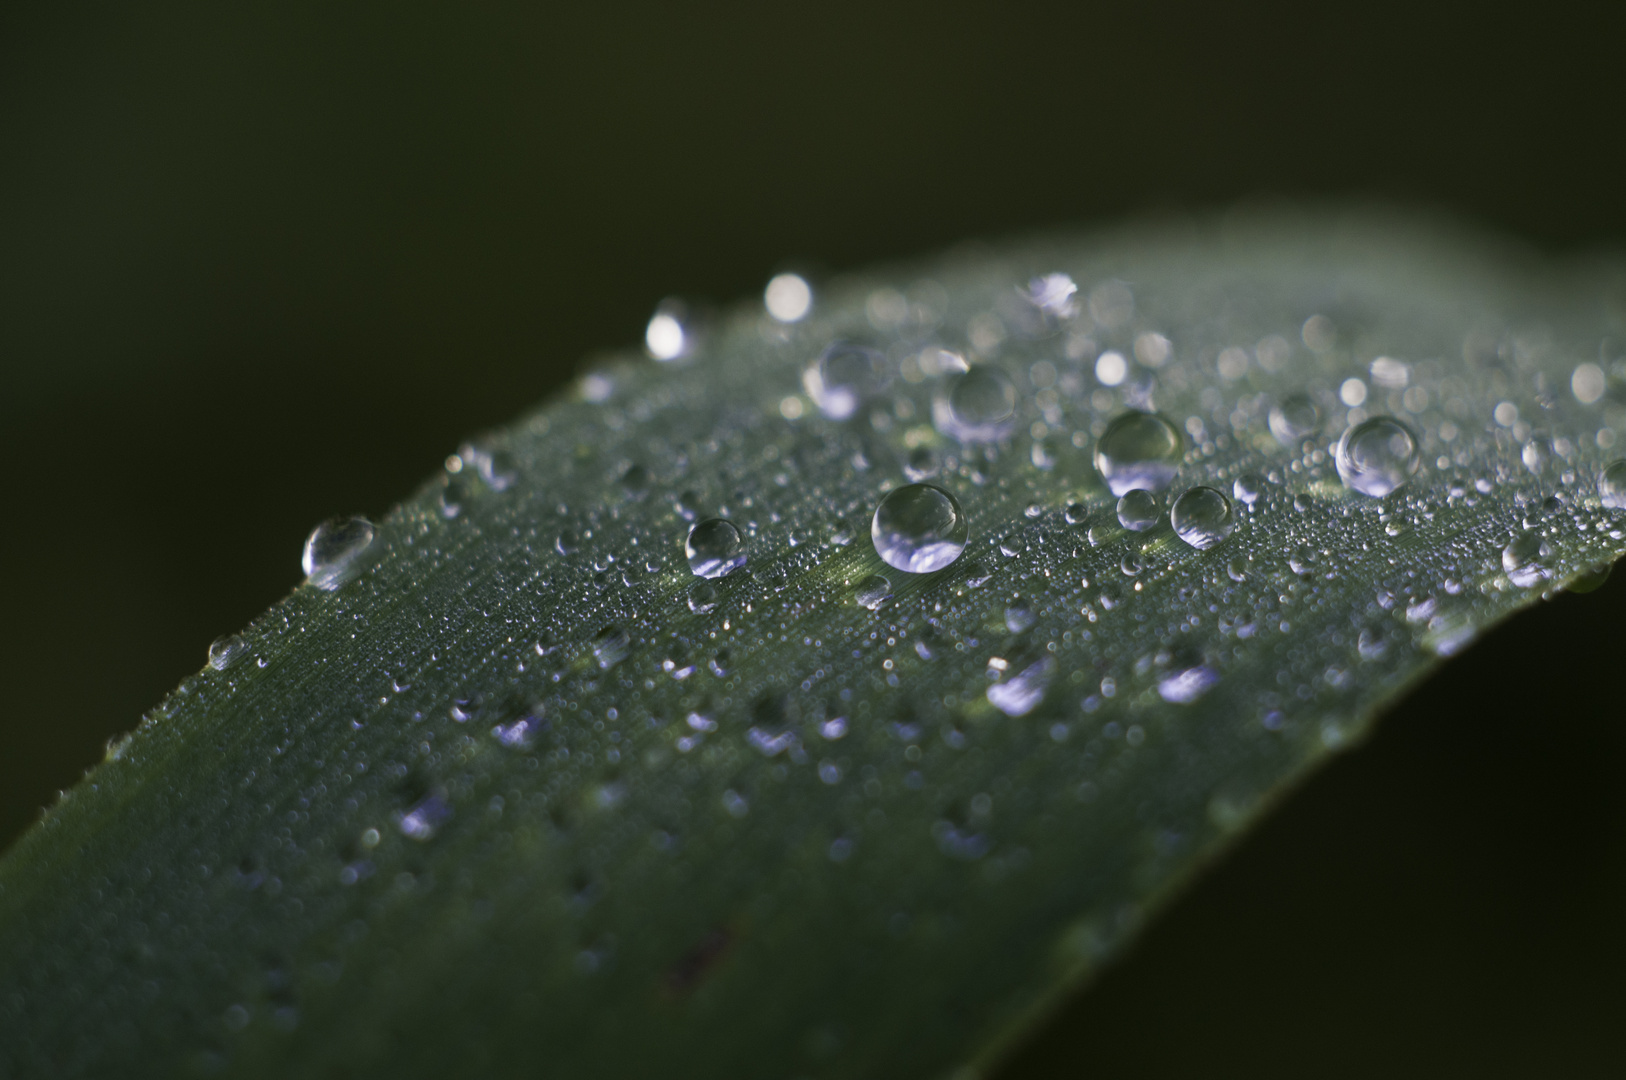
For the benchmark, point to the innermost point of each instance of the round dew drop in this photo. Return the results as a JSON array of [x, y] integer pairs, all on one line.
[[1202, 517], [1294, 419], [1138, 510], [1612, 485], [226, 651], [1138, 450], [332, 549], [976, 406], [714, 548], [1376, 457], [919, 529], [873, 592], [843, 376]]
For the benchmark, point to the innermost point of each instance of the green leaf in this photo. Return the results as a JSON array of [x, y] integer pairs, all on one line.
[[507, 789]]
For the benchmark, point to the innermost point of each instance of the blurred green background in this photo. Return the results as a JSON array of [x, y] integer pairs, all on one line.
[[265, 262]]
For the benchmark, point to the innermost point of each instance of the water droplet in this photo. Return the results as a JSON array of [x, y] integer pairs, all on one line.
[[922, 464], [1021, 693], [1138, 510], [1130, 565], [976, 406], [788, 297], [714, 548], [1053, 295], [1248, 488], [702, 598], [843, 376], [226, 651], [1377, 456], [611, 646], [1537, 452], [1101, 532], [1076, 514], [454, 494], [424, 819], [1590, 579], [919, 529], [1372, 643], [666, 337], [333, 549], [567, 542], [1294, 419], [873, 592], [976, 574], [1186, 679], [1202, 517], [1612, 485], [636, 481], [498, 468], [841, 532], [1522, 559], [1138, 450]]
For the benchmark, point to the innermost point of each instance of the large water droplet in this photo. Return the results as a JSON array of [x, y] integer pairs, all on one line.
[[843, 376], [714, 548], [1612, 485], [1138, 450], [1138, 510], [976, 406], [919, 529], [1522, 559], [226, 651], [1202, 517], [873, 592], [1377, 456], [1294, 419], [333, 548]]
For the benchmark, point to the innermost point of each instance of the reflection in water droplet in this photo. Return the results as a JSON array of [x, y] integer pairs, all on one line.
[[873, 591], [226, 651], [976, 406], [702, 598], [714, 548], [611, 646], [919, 529], [1296, 418], [1202, 517], [1138, 450], [1076, 514], [1522, 559], [1248, 488], [1138, 510], [333, 548], [843, 376], [1021, 693], [1612, 485], [1377, 456]]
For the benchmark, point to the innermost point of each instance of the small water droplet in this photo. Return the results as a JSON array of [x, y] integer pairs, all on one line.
[[919, 529], [567, 542], [843, 376], [1186, 679], [498, 468], [1131, 565], [1019, 616], [226, 651], [977, 574], [841, 532], [454, 494], [1101, 532], [1076, 514], [1537, 452], [714, 548], [872, 592], [611, 646], [1294, 419], [1202, 517], [666, 337], [1138, 510], [702, 598], [424, 819], [1612, 485], [922, 464], [1377, 456], [1138, 450], [788, 297], [976, 406], [1372, 643], [1248, 488], [333, 549]]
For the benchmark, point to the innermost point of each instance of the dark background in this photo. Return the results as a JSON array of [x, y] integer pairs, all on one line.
[[265, 262]]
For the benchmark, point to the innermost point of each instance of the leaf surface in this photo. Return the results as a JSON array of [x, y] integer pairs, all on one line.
[[506, 788]]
